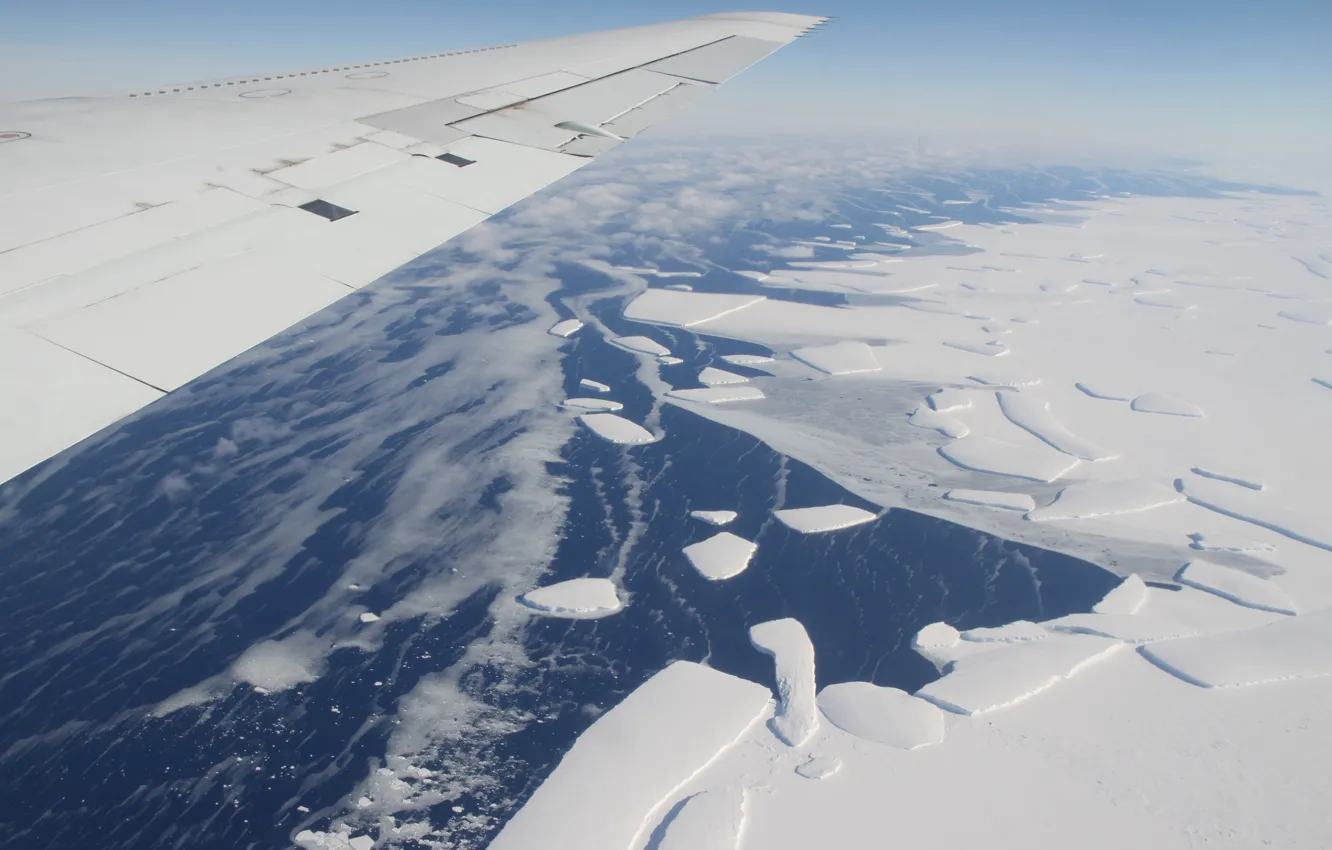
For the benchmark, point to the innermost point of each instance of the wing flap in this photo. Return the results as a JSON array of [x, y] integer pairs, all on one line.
[[716, 62], [499, 173], [430, 122], [170, 331], [534, 122], [120, 237], [338, 166], [53, 398]]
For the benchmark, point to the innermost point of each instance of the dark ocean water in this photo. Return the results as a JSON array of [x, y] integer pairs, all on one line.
[[119, 592]]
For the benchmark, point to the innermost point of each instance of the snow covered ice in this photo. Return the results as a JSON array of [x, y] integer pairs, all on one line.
[[722, 556], [709, 820], [884, 715], [566, 328], [641, 345], [1014, 672], [993, 499], [1239, 587], [1033, 414], [717, 395], [1127, 598], [712, 376], [714, 517], [581, 598], [1106, 498], [668, 729], [1030, 460], [948, 426], [839, 358], [617, 429], [793, 655], [825, 518], [593, 405]]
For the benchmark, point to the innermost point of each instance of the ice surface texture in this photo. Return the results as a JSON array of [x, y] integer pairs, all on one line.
[[884, 715], [577, 598], [667, 730]]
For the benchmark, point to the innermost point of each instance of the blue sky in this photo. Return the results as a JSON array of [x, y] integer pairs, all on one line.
[[1216, 79]]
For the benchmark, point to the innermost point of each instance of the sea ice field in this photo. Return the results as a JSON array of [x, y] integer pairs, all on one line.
[[762, 499]]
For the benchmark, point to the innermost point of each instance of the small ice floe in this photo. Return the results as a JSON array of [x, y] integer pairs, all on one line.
[[1164, 404], [591, 405], [718, 377], [797, 715], [595, 386], [943, 225], [680, 287], [820, 767], [368, 617], [824, 518], [1010, 674], [617, 429], [670, 361], [1032, 414], [566, 328], [923, 417], [579, 598], [937, 644], [715, 517], [1239, 587], [994, 348], [993, 499], [1222, 543], [746, 359], [722, 556], [1096, 390], [1291, 648], [1127, 597], [839, 358], [641, 345], [1106, 498], [948, 400], [1250, 482], [883, 715], [1032, 460], [1014, 632], [709, 820], [718, 395]]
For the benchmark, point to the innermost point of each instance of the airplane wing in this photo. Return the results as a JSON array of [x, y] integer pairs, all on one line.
[[147, 238]]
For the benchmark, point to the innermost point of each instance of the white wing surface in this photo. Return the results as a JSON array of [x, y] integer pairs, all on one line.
[[147, 238]]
